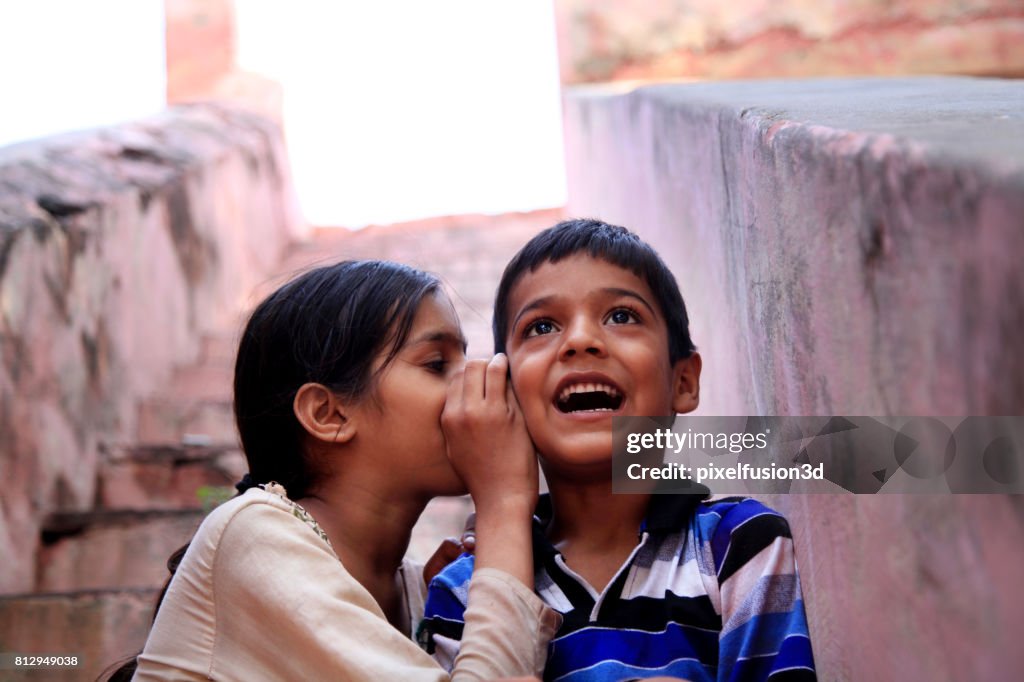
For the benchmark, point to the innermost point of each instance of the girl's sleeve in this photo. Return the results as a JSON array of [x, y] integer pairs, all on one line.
[[764, 626], [485, 623]]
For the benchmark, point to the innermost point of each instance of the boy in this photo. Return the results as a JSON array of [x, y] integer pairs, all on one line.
[[594, 326]]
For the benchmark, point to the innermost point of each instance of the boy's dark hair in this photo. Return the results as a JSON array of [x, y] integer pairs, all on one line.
[[610, 243]]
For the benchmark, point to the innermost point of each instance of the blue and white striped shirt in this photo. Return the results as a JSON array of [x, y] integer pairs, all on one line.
[[711, 592]]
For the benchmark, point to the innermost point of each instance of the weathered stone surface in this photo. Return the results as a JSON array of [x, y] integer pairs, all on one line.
[[104, 627], [195, 407], [619, 39], [925, 583], [200, 46], [120, 249], [846, 247], [201, 60], [110, 550], [180, 420], [168, 477], [469, 252]]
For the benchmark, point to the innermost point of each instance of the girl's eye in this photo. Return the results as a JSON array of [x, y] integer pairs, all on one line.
[[539, 328], [437, 366], [623, 316]]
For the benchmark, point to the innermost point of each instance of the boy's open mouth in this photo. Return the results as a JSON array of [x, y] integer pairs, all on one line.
[[588, 397]]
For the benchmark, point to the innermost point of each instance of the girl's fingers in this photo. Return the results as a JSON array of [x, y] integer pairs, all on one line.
[[497, 371], [453, 400], [468, 538], [473, 384]]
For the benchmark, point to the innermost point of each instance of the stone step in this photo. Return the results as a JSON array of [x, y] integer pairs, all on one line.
[[202, 382], [196, 404], [219, 349], [180, 420], [111, 549], [195, 407], [168, 477], [101, 627], [105, 626]]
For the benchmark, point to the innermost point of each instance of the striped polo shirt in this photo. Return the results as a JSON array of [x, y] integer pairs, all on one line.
[[711, 592]]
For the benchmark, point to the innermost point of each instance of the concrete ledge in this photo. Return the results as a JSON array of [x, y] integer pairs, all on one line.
[[104, 627], [617, 39], [846, 247], [111, 549], [119, 250], [168, 477]]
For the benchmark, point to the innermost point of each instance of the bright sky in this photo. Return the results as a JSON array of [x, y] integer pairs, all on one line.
[[394, 109], [69, 64], [400, 109]]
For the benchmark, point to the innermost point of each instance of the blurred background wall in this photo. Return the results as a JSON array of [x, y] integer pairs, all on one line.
[[658, 39], [129, 254], [845, 245], [57, 76]]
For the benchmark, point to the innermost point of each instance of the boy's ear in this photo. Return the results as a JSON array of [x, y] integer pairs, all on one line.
[[323, 414], [686, 384]]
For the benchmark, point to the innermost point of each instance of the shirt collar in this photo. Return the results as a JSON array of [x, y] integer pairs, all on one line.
[[665, 513]]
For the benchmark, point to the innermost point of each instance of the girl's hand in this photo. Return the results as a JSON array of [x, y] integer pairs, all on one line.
[[488, 444], [490, 449]]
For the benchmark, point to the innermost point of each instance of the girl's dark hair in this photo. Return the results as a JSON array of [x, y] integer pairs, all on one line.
[[326, 326]]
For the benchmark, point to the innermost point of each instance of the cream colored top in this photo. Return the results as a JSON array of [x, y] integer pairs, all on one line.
[[261, 595]]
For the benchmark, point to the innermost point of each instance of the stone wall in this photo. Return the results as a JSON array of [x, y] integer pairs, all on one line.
[[201, 39], [619, 39], [846, 247], [119, 250]]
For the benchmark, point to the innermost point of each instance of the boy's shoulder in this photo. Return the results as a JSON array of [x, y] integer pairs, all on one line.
[[718, 522], [725, 515], [736, 529], [735, 509]]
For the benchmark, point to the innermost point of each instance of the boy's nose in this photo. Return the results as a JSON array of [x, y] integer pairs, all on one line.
[[582, 338]]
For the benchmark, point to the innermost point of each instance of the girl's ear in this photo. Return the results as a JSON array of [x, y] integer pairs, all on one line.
[[323, 414], [686, 384]]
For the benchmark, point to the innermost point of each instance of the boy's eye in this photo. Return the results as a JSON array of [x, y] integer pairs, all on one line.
[[539, 328], [623, 316]]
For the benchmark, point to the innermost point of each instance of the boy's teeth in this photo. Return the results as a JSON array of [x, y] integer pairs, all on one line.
[[588, 388]]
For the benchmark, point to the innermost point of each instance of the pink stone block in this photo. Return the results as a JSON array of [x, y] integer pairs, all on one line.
[[107, 550], [101, 627], [122, 249], [664, 39], [179, 477]]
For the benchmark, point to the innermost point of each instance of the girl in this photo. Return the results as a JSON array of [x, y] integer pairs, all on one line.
[[343, 382]]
